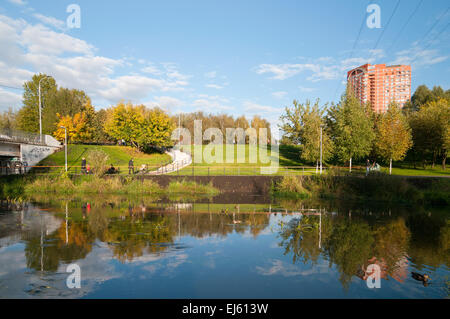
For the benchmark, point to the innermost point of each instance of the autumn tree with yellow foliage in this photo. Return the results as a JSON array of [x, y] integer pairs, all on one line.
[[393, 135], [141, 127], [78, 129]]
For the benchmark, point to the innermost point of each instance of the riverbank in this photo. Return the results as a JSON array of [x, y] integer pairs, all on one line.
[[14, 187], [375, 187]]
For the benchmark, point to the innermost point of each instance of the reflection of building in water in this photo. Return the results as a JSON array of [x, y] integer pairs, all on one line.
[[399, 271]]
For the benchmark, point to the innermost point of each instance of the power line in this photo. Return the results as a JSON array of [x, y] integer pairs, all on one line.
[[354, 46], [10, 87], [432, 27], [431, 42], [387, 25], [404, 26]]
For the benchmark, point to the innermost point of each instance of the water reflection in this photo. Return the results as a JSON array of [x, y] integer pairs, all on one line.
[[139, 248]]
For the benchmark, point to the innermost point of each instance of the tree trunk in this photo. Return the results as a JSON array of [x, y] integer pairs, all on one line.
[[434, 159], [444, 159], [390, 166], [350, 168]]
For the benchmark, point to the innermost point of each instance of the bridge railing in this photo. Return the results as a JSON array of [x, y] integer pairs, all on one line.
[[10, 135]]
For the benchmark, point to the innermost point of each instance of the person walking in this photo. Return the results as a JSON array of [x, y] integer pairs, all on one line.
[[367, 167], [83, 166], [131, 166]]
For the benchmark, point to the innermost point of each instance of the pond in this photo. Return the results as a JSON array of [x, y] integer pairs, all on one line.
[[250, 248]]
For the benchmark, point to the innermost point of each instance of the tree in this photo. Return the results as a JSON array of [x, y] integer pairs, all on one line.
[[430, 127], [139, 126], [257, 123], [8, 120], [291, 123], [393, 135], [77, 126], [303, 125], [424, 95], [351, 125], [28, 115], [157, 129]]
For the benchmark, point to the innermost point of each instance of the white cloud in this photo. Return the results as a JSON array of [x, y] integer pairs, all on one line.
[[306, 89], [18, 2], [41, 40], [279, 94], [9, 99], [56, 23], [284, 71], [419, 57], [27, 49], [210, 75], [214, 86], [151, 69], [167, 103], [211, 103], [258, 108]]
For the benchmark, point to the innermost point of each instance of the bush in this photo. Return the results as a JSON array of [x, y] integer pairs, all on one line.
[[98, 160]]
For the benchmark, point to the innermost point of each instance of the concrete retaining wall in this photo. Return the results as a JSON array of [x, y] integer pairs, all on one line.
[[227, 184]]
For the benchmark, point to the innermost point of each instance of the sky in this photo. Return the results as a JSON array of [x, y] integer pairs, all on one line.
[[242, 57]]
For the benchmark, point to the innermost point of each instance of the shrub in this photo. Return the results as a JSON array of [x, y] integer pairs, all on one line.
[[98, 160]]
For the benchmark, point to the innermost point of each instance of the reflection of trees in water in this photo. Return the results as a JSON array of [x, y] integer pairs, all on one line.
[[130, 232], [352, 242], [303, 237], [430, 239], [47, 252]]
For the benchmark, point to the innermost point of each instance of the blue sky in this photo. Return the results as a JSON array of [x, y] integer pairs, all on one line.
[[238, 57]]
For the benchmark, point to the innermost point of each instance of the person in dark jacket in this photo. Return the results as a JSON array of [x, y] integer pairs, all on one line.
[[83, 166], [131, 167]]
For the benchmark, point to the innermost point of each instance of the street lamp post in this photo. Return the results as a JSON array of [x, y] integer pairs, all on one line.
[[40, 109], [321, 129], [65, 144]]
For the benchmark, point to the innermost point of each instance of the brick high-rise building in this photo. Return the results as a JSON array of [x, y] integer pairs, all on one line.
[[380, 84]]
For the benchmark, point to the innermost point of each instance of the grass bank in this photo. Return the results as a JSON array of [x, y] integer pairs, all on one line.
[[375, 187], [14, 187], [117, 155]]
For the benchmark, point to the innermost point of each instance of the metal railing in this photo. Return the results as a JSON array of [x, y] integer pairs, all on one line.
[[17, 136]]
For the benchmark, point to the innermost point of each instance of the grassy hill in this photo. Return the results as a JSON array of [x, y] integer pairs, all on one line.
[[118, 156]]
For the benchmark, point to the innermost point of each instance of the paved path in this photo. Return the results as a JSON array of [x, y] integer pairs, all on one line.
[[180, 160]]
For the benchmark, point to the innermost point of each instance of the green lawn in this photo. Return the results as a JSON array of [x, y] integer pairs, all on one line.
[[289, 161], [241, 164], [118, 156]]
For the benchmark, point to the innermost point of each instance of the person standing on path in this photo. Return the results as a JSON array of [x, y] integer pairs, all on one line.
[[83, 166], [131, 166]]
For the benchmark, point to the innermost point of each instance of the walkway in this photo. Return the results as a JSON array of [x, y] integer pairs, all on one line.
[[180, 160]]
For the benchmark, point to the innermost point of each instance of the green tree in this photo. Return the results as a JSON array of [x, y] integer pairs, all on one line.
[[28, 115], [8, 120], [393, 135], [430, 127], [351, 125], [302, 125]]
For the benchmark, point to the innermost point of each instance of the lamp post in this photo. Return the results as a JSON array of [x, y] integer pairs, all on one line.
[[40, 107], [321, 129], [65, 144]]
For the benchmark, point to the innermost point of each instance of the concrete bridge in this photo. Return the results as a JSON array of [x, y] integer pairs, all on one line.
[[19, 151]]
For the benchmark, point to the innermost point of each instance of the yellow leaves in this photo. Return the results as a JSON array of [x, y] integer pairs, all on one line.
[[393, 134], [77, 128], [139, 125]]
